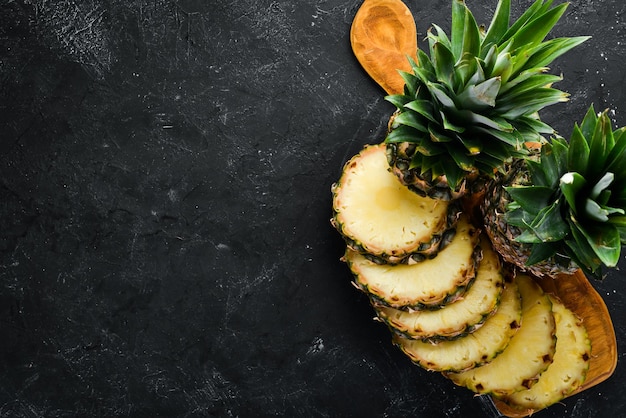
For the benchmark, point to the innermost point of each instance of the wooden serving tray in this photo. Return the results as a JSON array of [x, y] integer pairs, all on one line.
[[383, 34]]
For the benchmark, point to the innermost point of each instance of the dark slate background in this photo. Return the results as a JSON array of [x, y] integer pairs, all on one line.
[[165, 247]]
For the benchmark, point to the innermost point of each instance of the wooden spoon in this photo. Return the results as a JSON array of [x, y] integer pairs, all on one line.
[[383, 33]]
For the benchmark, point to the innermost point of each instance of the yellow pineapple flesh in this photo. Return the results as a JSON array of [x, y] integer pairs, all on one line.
[[382, 218], [474, 349], [528, 354], [427, 284], [568, 370], [460, 317]]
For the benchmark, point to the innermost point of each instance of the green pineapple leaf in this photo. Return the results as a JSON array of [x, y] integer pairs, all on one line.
[[530, 198], [545, 53], [571, 184], [540, 252], [412, 120], [499, 24], [444, 61], [577, 156], [481, 96], [604, 239], [402, 134], [549, 225], [423, 108]]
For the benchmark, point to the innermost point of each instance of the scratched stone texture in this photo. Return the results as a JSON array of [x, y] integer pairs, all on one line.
[[165, 245]]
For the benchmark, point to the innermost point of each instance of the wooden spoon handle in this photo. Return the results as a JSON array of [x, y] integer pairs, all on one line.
[[383, 34]]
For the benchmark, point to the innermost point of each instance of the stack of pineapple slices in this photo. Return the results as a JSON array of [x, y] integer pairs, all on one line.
[[443, 292]]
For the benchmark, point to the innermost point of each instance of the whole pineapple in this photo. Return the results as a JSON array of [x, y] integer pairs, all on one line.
[[563, 208], [472, 104]]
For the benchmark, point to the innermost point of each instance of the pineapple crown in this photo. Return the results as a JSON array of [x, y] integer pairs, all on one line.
[[576, 202], [473, 102]]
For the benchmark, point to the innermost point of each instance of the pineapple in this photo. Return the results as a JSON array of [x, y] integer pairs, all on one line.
[[469, 110], [563, 208], [471, 103], [381, 218], [475, 349], [528, 354], [428, 284], [456, 319], [567, 371]]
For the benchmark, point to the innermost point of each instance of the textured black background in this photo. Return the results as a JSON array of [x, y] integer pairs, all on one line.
[[165, 247]]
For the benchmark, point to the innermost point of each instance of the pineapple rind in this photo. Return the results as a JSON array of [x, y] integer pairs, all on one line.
[[474, 349], [458, 318], [503, 234], [425, 285], [379, 217], [528, 354], [569, 368], [399, 158]]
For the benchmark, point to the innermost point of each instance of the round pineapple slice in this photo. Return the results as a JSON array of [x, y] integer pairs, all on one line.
[[474, 349], [428, 284], [380, 217], [455, 319], [528, 354], [569, 368]]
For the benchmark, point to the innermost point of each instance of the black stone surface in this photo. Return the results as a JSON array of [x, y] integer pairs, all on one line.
[[165, 249]]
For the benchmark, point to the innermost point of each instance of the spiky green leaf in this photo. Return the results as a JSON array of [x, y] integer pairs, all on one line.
[[443, 61], [577, 156], [454, 174], [481, 96], [571, 184], [537, 8], [412, 119], [531, 102], [403, 133], [398, 100], [422, 107], [440, 93], [540, 252], [499, 24], [604, 239], [471, 36], [601, 185], [459, 11], [588, 125], [530, 84], [535, 31], [549, 224], [530, 198], [546, 52]]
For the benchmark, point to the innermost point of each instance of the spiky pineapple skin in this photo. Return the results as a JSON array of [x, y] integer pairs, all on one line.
[[399, 158], [502, 234]]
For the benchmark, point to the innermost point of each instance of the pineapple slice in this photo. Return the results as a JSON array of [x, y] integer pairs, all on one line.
[[474, 349], [528, 354], [428, 284], [569, 368], [455, 319], [379, 216]]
